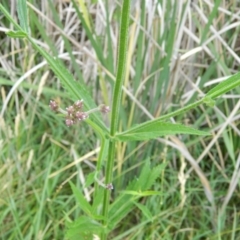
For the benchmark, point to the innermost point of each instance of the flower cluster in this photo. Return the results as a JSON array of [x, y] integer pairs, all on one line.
[[75, 113]]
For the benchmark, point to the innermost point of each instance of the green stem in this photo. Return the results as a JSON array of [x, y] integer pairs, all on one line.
[[180, 111], [108, 178], [121, 64], [101, 134], [122, 52]]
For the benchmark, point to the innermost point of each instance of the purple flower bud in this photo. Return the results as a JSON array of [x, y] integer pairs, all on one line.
[[70, 110], [53, 105], [69, 122], [81, 115], [78, 104], [104, 109]]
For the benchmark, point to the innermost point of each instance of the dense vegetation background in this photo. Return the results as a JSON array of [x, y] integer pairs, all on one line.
[[177, 51]]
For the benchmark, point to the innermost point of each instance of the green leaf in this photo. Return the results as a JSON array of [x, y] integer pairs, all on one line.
[[211, 17], [224, 86], [16, 34], [22, 15], [85, 206], [83, 229], [156, 129], [144, 210], [145, 175], [97, 201], [149, 175], [98, 217], [142, 194], [90, 179], [90, 34], [85, 13]]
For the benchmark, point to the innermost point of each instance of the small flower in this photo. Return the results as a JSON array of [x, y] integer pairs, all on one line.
[[53, 105], [81, 115], [70, 110], [104, 109], [78, 104], [69, 122], [109, 186]]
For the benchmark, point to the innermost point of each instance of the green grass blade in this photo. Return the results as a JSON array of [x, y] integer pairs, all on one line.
[[140, 52], [170, 38], [41, 29], [110, 58], [23, 15], [67, 44], [9, 17], [210, 20], [85, 13], [224, 86], [90, 34]]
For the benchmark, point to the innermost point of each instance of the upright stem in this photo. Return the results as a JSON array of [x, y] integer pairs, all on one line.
[[117, 94], [121, 64]]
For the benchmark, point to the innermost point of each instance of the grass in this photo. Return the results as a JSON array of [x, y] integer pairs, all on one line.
[[176, 52]]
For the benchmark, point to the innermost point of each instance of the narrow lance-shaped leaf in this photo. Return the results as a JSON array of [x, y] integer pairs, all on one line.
[[90, 179], [83, 228], [224, 86], [156, 129], [144, 210], [85, 206]]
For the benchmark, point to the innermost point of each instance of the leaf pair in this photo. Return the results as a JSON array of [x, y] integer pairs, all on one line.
[[156, 128]]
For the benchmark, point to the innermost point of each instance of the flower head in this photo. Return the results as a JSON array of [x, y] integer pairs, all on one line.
[[104, 109], [109, 186], [70, 110], [53, 105], [81, 115], [78, 104], [69, 121]]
